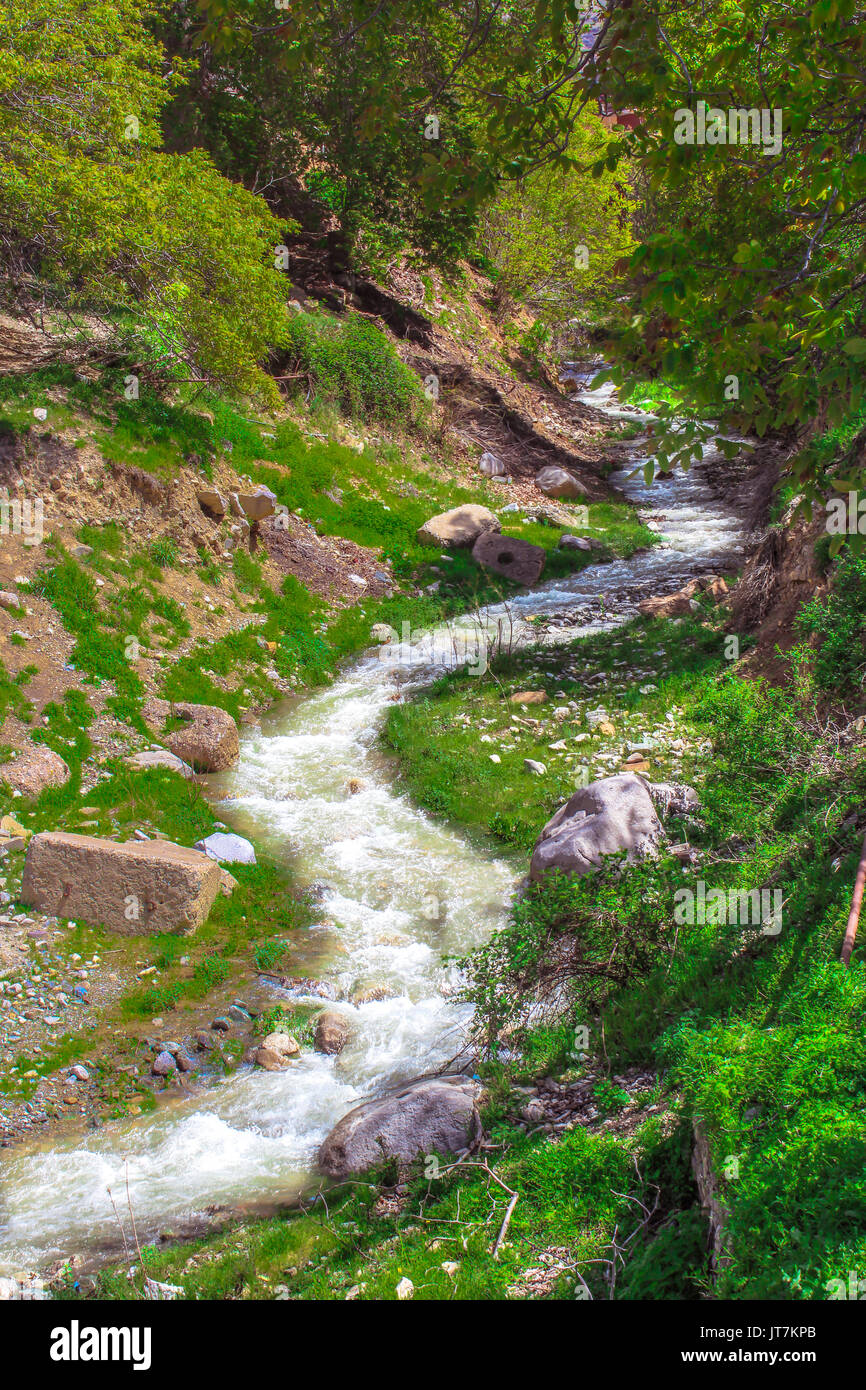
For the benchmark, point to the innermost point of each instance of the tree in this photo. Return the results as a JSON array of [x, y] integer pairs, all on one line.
[[401, 120], [751, 283], [557, 237], [109, 222]]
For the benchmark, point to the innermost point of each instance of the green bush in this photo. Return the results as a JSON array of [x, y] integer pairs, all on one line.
[[353, 364], [838, 622]]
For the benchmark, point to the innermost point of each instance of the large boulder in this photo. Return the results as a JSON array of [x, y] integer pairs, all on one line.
[[34, 770], [460, 527], [258, 503], [515, 559], [610, 816], [423, 1117], [140, 888], [554, 481], [208, 743]]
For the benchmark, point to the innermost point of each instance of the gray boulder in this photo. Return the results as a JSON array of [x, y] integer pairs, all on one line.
[[258, 503], [515, 559], [423, 1117], [227, 849], [492, 466], [612, 815], [558, 482], [674, 798], [212, 503], [460, 527]]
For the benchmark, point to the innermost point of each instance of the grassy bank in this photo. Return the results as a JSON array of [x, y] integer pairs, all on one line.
[[756, 1032]]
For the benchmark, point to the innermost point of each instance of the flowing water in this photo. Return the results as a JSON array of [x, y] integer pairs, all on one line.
[[397, 893]]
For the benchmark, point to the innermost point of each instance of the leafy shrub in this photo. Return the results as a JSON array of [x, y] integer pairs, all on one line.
[[355, 365], [839, 624]]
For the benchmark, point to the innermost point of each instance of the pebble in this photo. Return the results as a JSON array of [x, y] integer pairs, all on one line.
[[164, 1064]]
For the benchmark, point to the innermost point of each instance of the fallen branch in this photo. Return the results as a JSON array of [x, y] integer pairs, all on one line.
[[504, 1227], [854, 914]]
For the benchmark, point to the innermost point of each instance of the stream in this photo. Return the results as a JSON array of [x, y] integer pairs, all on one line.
[[397, 892]]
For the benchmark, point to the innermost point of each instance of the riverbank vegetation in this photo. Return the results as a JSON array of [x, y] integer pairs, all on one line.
[[343, 257]]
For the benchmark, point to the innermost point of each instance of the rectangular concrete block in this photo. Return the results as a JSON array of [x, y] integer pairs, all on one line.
[[135, 889]]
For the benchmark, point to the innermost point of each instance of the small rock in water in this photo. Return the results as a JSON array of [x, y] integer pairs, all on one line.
[[332, 1033], [373, 995], [164, 1064], [269, 1060], [283, 1044]]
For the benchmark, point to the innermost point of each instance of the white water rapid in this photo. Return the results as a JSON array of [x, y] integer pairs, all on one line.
[[400, 891]]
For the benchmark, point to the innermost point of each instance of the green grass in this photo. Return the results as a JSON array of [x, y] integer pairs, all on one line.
[[448, 769], [12, 698], [837, 623], [574, 1195], [759, 1035]]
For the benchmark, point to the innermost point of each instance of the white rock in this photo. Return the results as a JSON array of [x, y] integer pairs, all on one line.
[[227, 849]]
